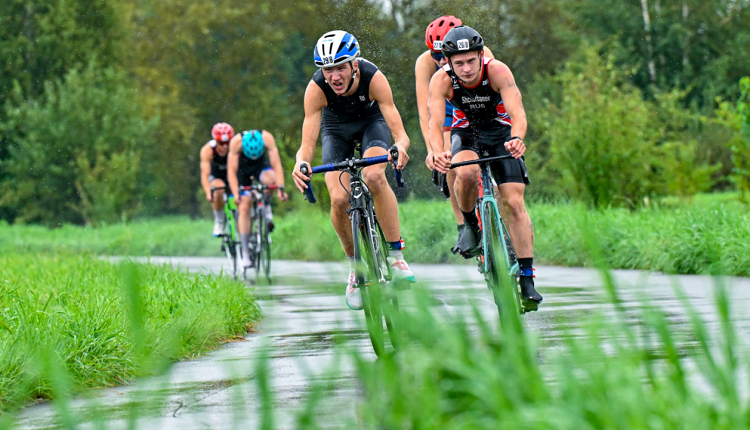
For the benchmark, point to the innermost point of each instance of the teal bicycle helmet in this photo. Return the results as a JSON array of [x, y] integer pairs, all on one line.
[[252, 144]]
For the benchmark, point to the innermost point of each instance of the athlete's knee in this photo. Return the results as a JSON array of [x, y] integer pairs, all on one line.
[[244, 205], [339, 201], [375, 178], [268, 177], [466, 177], [515, 204]]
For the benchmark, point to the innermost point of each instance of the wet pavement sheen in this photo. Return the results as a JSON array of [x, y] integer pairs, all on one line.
[[305, 317]]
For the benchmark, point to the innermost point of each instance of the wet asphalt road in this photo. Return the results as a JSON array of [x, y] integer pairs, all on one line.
[[304, 313]]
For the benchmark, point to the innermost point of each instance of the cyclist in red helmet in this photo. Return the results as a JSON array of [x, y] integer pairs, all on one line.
[[488, 117], [214, 170], [427, 65]]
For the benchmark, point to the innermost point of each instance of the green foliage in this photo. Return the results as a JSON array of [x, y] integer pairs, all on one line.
[[705, 234], [607, 146], [106, 323], [76, 153], [738, 118]]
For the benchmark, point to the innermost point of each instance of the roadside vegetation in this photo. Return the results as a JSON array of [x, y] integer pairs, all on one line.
[[619, 367], [705, 234], [99, 324]]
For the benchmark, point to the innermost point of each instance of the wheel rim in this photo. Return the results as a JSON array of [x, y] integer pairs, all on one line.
[[370, 293]]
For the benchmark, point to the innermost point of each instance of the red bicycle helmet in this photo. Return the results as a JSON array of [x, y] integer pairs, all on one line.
[[436, 31], [222, 132]]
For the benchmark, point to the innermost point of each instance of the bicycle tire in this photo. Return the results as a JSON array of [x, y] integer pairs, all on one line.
[[257, 242], [499, 280], [367, 282], [390, 308], [266, 251]]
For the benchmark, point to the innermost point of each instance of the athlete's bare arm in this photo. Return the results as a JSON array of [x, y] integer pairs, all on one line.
[[423, 71], [233, 163], [206, 155], [315, 101], [502, 81], [273, 158], [440, 90], [380, 91]]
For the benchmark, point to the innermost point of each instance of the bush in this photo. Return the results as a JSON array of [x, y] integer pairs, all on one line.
[[607, 146], [738, 118], [75, 154]]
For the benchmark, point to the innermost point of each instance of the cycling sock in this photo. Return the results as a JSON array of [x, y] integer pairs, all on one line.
[[526, 265], [352, 261], [218, 215], [245, 239], [396, 249], [471, 219]]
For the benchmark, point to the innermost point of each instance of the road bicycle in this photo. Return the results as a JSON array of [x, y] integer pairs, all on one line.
[[260, 242], [497, 261], [230, 246], [372, 272]]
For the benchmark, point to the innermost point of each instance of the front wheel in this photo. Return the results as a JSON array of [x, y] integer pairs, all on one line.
[[367, 280], [500, 281]]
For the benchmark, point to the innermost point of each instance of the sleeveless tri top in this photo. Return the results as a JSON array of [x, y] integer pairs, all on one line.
[[355, 106], [249, 165], [218, 162], [478, 105]]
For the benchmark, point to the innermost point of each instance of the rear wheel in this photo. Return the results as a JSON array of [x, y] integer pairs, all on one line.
[[502, 284]]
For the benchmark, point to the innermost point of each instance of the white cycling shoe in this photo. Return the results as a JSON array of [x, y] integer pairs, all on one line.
[[218, 229], [400, 271], [353, 295], [246, 262]]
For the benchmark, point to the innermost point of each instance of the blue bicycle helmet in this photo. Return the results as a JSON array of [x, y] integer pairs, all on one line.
[[334, 48], [252, 144]]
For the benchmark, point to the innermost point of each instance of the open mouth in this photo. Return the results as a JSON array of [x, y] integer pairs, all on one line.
[[337, 86]]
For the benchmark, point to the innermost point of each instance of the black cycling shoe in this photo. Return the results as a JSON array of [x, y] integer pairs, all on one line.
[[529, 295], [469, 243]]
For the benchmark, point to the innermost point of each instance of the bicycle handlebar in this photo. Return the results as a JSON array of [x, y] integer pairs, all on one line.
[[480, 160], [350, 164]]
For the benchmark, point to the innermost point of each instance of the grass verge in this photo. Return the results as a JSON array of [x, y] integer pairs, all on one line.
[[106, 323], [710, 234]]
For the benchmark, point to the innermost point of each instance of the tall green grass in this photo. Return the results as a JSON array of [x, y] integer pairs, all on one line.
[[706, 235], [104, 324]]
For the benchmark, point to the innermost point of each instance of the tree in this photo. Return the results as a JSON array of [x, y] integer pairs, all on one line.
[[76, 151]]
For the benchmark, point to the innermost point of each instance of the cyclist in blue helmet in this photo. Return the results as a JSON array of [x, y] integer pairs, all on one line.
[[253, 155], [349, 100]]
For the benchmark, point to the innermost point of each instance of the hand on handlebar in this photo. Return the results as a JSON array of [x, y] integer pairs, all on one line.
[[403, 157], [282, 195], [516, 147], [429, 161], [300, 179], [443, 162]]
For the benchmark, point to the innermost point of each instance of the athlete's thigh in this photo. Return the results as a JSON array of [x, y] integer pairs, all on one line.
[[216, 182], [376, 135], [336, 148]]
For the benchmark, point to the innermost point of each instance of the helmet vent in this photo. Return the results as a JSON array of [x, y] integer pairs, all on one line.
[[341, 46]]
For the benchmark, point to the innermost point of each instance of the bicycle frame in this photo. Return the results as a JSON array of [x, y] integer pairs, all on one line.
[[488, 199]]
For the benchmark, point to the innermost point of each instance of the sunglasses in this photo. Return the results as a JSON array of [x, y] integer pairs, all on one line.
[[437, 56], [221, 143]]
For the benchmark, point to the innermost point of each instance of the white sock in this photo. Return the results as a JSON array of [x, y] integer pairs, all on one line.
[[351, 262], [218, 216], [398, 254]]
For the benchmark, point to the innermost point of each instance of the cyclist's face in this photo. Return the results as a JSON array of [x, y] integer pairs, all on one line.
[[222, 148], [338, 77], [438, 58], [467, 66]]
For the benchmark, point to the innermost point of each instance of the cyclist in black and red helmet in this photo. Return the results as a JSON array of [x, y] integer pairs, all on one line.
[[426, 66], [488, 116]]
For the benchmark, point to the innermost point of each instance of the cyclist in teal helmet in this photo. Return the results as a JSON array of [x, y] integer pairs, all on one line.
[[253, 155]]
